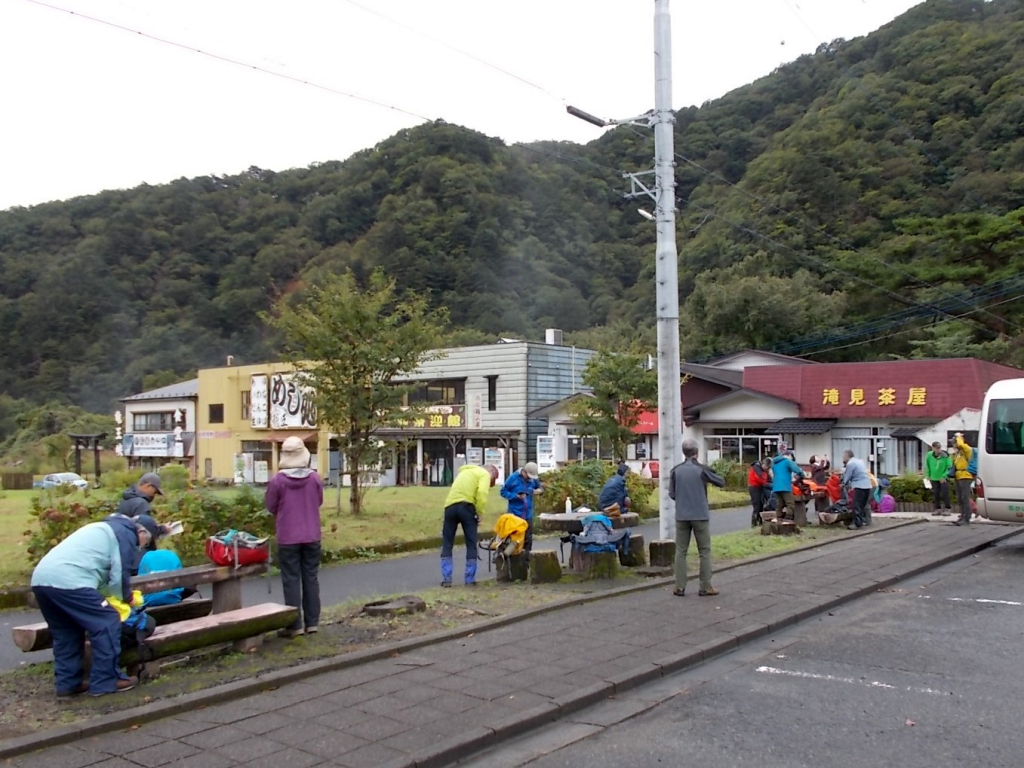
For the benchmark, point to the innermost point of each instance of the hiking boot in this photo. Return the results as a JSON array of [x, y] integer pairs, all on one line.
[[709, 592], [446, 584], [289, 633], [122, 686], [943, 512], [78, 690], [312, 630], [679, 592]]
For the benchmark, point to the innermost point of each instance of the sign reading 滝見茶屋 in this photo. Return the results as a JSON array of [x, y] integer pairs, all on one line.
[[881, 397]]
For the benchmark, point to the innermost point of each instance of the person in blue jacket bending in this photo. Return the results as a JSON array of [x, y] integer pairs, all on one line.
[[783, 469], [519, 490]]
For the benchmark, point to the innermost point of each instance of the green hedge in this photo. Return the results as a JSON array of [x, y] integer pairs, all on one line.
[[56, 515], [582, 483], [910, 489]]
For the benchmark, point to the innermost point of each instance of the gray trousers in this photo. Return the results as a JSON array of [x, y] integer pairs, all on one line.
[[701, 530], [963, 498]]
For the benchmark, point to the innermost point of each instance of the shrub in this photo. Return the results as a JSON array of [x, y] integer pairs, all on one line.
[[174, 477], [58, 515], [582, 483], [62, 511], [203, 514], [120, 480], [734, 473], [909, 489]]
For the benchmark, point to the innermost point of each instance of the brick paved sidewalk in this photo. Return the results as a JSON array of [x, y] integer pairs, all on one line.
[[435, 704]]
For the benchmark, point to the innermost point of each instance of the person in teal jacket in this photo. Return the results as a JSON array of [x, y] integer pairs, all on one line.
[[783, 469], [937, 464], [71, 584]]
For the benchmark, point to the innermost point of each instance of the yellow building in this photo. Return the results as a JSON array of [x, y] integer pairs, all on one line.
[[244, 414]]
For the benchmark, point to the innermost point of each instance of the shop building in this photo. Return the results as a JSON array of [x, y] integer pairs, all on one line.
[[740, 408], [885, 412], [473, 404], [158, 426]]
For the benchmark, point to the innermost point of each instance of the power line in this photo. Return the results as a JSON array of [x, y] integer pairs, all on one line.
[[835, 239], [1018, 297], [891, 294], [457, 50], [235, 62]]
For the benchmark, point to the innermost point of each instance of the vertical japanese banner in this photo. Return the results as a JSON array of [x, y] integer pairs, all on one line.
[[259, 407]]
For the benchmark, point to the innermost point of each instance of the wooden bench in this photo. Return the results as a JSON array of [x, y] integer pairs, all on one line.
[[244, 627], [36, 637], [221, 619]]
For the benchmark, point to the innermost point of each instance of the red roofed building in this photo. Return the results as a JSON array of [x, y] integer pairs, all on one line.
[[742, 405]]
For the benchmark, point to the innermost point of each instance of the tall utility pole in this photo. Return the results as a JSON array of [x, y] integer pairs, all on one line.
[[663, 193], [670, 406]]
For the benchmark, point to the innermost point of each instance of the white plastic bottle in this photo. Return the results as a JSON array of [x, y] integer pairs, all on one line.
[[568, 506]]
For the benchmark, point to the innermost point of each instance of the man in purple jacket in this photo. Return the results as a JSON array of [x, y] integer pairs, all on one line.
[[294, 497]]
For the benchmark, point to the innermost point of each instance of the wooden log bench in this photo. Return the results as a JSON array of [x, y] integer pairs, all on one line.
[[221, 619], [36, 637]]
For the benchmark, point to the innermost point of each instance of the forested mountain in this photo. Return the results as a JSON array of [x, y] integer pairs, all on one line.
[[853, 204]]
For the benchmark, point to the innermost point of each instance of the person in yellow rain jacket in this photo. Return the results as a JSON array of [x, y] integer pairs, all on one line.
[[464, 505], [963, 479]]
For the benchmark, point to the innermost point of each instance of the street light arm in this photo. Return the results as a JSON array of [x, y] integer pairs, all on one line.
[[587, 117]]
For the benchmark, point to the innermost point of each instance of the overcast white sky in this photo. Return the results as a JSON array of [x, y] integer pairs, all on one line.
[[88, 107]]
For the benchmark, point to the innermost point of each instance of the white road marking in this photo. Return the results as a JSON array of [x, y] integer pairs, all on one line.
[[848, 680], [977, 600]]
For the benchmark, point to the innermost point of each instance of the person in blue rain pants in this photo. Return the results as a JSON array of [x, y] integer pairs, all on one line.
[[464, 506]]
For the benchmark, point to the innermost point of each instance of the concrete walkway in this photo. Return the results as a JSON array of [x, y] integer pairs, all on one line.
[[439, 703]]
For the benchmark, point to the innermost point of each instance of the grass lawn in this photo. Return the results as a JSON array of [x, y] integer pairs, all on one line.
[[391, 516]]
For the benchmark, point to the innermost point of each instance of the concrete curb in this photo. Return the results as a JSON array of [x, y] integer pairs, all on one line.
[[189, 702]]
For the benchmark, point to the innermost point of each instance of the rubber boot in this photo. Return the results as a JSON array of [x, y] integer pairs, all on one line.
[[471, 571], [446, 571]]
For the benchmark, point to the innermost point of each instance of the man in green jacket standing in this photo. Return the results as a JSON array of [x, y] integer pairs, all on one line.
[[936, 468]]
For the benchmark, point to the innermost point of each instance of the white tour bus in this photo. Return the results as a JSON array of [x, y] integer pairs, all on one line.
[[1000, 483]]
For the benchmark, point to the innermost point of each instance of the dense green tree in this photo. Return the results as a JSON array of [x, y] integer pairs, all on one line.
[[354, 347], [622, 388]]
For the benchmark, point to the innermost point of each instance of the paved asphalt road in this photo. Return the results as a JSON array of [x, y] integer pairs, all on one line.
[[341, 583], [926, 674]]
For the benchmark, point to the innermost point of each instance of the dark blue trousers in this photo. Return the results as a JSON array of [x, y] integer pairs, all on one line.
[[72, 614]]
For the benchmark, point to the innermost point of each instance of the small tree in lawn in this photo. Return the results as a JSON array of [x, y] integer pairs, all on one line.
[[622, 389], [353, 347]]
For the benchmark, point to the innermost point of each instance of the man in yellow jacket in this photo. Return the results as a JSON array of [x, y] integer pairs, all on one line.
[[964, 479], [465, 503]]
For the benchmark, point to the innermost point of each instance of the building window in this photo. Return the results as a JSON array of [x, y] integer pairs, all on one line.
[[217, 413], [153, 422], [246, 404], [261, 450], [208, 468], [440, 392], [492, 393]]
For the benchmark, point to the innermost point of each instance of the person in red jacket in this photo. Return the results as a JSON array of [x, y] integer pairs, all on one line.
[[758, 478]]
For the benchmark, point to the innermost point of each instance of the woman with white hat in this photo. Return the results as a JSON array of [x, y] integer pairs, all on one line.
[[294, 497]]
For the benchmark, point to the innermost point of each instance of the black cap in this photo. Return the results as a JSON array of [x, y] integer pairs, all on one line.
[[150, 525]]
